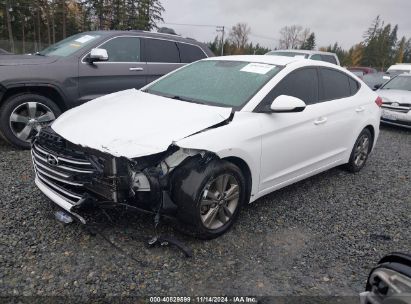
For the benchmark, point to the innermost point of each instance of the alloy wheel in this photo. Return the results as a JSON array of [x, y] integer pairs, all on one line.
[[361, 150], [219, 201], [28, 118]]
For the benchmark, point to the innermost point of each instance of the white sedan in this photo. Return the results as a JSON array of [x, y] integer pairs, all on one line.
[[201, 142], [396, 97]]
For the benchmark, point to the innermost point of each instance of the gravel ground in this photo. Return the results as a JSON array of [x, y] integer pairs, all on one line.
[[320, 236]]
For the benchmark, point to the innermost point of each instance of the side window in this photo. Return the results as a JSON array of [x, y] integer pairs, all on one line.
[[354, 86], [190, 53], [162, 51], [302, 84], [123, 49], [316, 57], [335, 84], [329, 58]]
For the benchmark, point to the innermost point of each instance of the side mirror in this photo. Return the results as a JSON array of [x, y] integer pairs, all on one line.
[[287, 104], [389, 281], [98, 55]]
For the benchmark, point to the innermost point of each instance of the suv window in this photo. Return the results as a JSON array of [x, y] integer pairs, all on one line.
[[329, 58], [190, 53], [123, 49], [162, 51], [316, 57], [302, 83], [335, 84]]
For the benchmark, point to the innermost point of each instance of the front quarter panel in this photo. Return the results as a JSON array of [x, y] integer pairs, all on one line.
[[240, 138]]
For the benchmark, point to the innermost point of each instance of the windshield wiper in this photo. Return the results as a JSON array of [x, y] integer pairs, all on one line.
[[186, 99]]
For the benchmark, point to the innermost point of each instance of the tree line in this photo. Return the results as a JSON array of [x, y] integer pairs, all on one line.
[[380, 47], [30, 25]]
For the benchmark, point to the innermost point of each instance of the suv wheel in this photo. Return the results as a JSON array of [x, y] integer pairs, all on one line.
[[22, 116], [210, 204]]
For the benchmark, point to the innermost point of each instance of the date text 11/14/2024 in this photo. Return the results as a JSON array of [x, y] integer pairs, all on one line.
[[204, 299]]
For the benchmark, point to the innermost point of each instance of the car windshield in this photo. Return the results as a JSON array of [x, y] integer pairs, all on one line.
[[288, 54], [69, 45], [216, 82], [398, 83]]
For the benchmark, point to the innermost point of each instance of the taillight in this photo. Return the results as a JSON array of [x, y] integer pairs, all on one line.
[[378, 101]]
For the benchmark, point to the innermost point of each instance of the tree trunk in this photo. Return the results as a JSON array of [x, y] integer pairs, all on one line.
[[48, 22], [23, 34], [39, 26], [64, 18], [9, 28], [53, 25]]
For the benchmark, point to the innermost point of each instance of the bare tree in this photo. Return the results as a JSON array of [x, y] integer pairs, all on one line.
[[293, 36], [9, 27], [239, 35]]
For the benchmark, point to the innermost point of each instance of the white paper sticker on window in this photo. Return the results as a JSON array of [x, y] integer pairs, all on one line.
[[258, 68], [84, 39]]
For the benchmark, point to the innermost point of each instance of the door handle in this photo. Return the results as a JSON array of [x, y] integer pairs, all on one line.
[[360, 109], [320, 121], [136, 69]]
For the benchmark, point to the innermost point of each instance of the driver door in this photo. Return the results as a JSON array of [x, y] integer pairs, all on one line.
[[123, 69]]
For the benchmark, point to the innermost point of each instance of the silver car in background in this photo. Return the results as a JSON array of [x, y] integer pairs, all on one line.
[[396, 97]]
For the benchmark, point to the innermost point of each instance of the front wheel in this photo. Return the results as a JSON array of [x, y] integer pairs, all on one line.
[[22, 116], [360, 151], [209, 200]]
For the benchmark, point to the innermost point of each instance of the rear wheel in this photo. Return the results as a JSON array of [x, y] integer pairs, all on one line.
[[209, 201], [360, 151], [22, 116]]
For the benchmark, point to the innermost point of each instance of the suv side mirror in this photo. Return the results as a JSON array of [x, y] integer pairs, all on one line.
[[98, 55], [287, 104]]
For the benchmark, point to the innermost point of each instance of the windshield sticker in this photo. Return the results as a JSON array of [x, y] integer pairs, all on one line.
[[258, 68], [84, 39]]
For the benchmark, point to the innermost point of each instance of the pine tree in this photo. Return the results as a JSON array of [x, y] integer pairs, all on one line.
[[309, 43]]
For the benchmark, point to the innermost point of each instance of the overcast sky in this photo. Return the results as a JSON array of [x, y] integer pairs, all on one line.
[[344, 21]]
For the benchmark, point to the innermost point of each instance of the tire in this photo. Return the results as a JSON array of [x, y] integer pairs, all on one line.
[[360, 152], [21, 117], [196, 195]]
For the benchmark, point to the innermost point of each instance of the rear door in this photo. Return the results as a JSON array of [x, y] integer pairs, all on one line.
[[162, 57], [123, 70], [341, 109]]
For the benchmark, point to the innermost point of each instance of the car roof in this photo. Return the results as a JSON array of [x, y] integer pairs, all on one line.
[[310, 52], [401, 66], [110, 33], [276, 60]]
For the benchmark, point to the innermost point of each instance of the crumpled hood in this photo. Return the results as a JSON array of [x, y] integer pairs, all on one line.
[[132, 123], [12, 60], [400, 96]]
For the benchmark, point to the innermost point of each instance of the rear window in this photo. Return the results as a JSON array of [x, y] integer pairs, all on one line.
[[354, 86], [329, 58], [162, 51], [190, 53], [335, 84]]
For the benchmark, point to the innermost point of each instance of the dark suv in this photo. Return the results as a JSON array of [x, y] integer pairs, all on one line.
[[35, 89]]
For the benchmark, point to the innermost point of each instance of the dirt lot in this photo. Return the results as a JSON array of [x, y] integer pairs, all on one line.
[[320, 236]]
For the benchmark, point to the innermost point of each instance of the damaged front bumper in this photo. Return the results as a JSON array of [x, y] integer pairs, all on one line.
[[74, 177]]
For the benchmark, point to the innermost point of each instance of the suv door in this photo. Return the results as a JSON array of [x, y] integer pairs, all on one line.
[[123, 70], [162, 57]]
